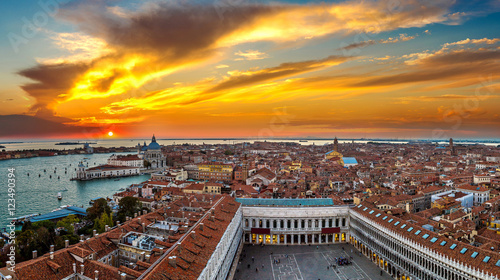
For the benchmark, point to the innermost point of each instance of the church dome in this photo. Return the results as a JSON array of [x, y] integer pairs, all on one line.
[[153, 145]]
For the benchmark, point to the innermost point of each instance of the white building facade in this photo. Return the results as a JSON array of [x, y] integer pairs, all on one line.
[[300, 225]]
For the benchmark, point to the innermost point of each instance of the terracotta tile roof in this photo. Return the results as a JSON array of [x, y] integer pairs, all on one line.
[[434, 241], [196, 249]]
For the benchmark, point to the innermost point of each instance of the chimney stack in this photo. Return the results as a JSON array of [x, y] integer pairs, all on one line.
[[172, 261], [106, 228], [35, 254], [143, 227], [144, 212], [193, 234], [52, 248], [82, 269], [94, 232], [117, 223], [81, 237], [139, 220], [142, 256], [74, 267], [66, 243], [135, 215], [148, 257], [96, 273], [201, 226], [123, 276], [51, 255], [179, 247]]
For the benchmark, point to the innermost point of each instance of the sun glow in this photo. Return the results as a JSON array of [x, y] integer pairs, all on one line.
[[110, 133]]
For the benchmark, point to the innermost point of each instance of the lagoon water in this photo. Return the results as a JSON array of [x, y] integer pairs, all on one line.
[[39, 194]]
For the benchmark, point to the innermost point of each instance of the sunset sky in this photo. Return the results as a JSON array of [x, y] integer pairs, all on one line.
[[238, 68]]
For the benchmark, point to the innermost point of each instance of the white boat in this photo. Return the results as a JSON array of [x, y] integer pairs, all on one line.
[[59, 196]]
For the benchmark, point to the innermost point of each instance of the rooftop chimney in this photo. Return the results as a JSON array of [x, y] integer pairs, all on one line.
[[135, 215], [66, 243], [96, 274], [82, 269], [179, 247], [52, 248], [201, 226], [123, 276], [193, 234], [81, 237], [94, 232], [139, 220], [172, 261], [148, 257], [106, 228], [74, 267], [143, 227], [35, 254], [51, 255], [144, 212]]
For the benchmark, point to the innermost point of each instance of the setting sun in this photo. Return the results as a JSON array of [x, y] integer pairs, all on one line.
[[110, 133]]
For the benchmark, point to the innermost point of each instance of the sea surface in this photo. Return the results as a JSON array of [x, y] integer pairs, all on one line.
[[36, 194], [12, 145]]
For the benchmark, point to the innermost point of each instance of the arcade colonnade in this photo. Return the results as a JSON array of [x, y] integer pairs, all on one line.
[[293, 226], [400, 257]]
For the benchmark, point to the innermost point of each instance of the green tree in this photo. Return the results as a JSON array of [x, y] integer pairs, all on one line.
[[67, 224], [229, 153], [127, 207], [100, 206], [100, 224]]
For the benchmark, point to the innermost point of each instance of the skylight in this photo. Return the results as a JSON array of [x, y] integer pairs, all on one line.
[[443, 243], [371, 212], [384, 218], [498, 263], [418, 232], [434, 239], [453, 246], [403, 226], [378, 215], [359, 206], [410, 229], [365, 208], [474, 255], [425, 236], [396, 223], [463, 251], [486, 259], [390, 221]]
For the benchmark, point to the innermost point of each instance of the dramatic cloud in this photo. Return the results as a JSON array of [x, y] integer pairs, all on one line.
[[158, 61], [250, 55], [184, 95], [391, 40]]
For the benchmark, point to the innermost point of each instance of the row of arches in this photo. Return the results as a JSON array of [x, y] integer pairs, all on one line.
[[398, 259], [295, 223]]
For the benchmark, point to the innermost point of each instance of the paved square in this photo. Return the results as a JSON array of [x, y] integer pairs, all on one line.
[[301, 262]]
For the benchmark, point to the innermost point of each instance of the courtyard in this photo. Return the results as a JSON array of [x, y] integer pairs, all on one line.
[[303, 262]]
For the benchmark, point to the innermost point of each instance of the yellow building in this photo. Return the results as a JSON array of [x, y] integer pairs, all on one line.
[[296, 165], [215, 171], [213, 188], [335, 156]]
